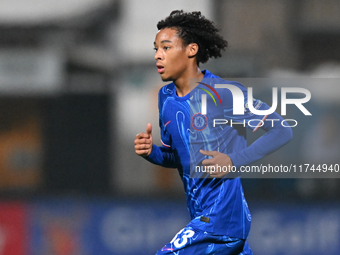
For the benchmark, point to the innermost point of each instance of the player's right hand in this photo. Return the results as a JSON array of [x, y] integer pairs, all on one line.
[[144, 142]]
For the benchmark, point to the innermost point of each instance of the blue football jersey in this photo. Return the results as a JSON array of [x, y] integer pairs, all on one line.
[[185, 130]]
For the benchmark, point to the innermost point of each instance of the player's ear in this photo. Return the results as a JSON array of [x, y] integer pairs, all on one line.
[[192, 50]]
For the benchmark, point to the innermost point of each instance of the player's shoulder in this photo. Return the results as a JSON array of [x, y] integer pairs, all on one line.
[[214, 80], [167, 90]]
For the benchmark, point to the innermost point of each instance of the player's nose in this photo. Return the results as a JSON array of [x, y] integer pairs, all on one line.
[[158, 55]]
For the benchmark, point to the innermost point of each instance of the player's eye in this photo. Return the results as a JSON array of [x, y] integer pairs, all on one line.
[[166, 47], [155, 49]]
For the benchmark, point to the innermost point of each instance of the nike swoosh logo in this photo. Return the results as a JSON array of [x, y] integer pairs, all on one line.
[[167, 123]]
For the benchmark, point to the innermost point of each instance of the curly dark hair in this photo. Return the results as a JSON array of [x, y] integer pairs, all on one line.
[[193, 27]]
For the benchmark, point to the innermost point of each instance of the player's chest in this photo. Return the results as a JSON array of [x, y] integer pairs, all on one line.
[[176, 118]]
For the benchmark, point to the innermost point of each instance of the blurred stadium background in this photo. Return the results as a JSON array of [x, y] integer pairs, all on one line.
[[78, 81]]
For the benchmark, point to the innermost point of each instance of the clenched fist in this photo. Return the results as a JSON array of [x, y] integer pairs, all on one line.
[[144, 142]]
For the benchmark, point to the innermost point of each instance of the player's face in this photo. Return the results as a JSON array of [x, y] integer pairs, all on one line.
[[171, 55]]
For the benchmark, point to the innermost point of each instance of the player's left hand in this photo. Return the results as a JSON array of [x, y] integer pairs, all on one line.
[[219, 162]]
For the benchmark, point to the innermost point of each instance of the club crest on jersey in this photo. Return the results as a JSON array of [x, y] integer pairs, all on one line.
[[199, 121]]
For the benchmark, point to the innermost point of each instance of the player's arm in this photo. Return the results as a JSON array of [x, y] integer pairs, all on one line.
[[144, 147], [277, 135]]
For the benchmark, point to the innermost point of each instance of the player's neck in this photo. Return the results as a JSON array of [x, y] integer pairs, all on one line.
[[183, 83]]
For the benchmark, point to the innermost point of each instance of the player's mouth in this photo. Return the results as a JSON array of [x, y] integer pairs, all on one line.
[[160, 68]]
